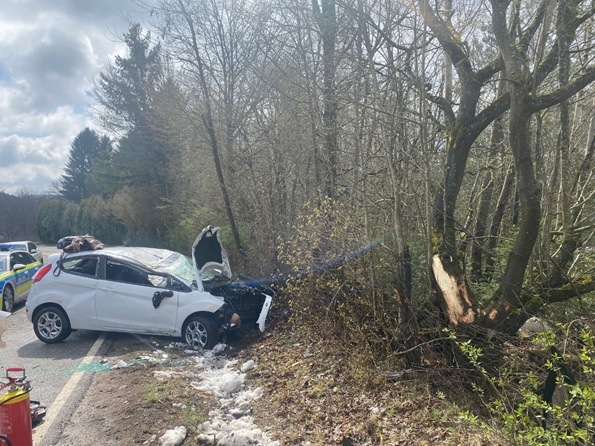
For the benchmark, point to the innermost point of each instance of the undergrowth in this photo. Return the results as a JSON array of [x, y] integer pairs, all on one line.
[[535, 392], [542, 391]]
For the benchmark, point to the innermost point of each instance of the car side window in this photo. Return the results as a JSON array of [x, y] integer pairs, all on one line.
[[21, 257], [84, 266], [119, 272], [25, 258]]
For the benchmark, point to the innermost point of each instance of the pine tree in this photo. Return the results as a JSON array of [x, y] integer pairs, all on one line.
[[86, 150]]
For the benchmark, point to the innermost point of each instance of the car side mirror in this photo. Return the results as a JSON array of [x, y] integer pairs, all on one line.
[[18, 267], [159, 296]]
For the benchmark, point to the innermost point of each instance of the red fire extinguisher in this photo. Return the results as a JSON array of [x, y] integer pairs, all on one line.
[[15, 411]]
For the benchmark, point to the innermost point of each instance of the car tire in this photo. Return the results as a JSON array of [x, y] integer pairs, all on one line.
[[51, 325], [200, 332], [7, 299]]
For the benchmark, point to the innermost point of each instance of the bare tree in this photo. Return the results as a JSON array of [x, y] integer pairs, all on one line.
[[215, 45], [526, 96]]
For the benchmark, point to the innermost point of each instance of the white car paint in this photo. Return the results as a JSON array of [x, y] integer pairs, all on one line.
[[105, 305]]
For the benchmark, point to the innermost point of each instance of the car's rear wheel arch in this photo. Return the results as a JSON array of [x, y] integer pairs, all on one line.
[[204, 330], [42, 306]]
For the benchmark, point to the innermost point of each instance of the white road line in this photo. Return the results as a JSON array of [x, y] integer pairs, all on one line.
[[56, 406]]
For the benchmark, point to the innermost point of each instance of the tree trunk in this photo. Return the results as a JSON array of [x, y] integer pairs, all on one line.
[[496, 223], [514, 41], [326, 17]]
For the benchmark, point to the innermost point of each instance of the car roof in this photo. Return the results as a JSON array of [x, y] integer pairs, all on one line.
[[149, 257], [156, 259]]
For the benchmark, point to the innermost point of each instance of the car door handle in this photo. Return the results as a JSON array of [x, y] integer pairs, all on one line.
[[108, 289]]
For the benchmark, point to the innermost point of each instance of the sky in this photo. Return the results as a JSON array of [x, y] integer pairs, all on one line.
[[50, 53]]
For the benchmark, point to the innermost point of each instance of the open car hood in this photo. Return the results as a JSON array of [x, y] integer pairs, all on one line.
[[209, 256]]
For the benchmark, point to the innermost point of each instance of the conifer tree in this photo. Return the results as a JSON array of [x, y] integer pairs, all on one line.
[[86, 150]]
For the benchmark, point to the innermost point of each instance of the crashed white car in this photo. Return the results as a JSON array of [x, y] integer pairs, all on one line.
[[145, 291]]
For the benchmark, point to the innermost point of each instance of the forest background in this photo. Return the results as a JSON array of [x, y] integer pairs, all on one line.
[[412, 165]]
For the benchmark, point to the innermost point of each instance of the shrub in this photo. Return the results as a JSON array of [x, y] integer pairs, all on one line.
[[544, 393]]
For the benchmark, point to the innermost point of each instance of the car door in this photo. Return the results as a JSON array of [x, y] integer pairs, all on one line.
[[23, 276], [124, 300], [76, 284]]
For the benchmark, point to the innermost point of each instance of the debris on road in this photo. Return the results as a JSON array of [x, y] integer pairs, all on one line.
[[230, 424]]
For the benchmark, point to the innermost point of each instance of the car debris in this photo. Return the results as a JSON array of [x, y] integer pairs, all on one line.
[[38, 412]]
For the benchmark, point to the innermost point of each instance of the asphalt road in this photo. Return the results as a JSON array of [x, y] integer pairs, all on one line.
[[56, 372]]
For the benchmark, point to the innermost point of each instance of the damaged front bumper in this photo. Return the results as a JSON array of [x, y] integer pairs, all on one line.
[[243, 307]]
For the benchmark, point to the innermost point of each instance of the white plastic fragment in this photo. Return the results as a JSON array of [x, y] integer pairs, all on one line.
[[248, 395], [225, 383], [151, 439], [218, 348], [173, 437], [239, 432], [248, 365], [120, 364]]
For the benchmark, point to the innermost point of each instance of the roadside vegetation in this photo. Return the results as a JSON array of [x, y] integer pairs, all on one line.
[[415, 177]]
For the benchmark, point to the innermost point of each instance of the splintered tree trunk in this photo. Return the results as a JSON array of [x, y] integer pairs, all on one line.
[[515, 26]]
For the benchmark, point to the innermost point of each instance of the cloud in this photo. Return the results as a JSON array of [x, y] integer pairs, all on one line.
[[50, 52]]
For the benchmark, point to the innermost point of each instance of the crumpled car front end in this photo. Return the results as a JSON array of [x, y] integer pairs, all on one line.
[[248, 301]]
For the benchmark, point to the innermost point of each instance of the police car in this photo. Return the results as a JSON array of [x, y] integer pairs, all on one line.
[[16, 273], [24, 245]]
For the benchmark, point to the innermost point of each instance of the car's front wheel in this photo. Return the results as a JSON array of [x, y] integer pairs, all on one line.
[[51, 325], [7, 299], [200, 332]]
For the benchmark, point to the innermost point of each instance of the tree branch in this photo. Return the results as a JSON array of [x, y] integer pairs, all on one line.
[[561, 94]]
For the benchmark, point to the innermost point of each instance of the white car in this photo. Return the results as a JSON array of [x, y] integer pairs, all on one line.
[[146, 291]]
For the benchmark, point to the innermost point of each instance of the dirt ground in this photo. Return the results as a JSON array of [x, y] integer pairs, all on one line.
[[310, 397]]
